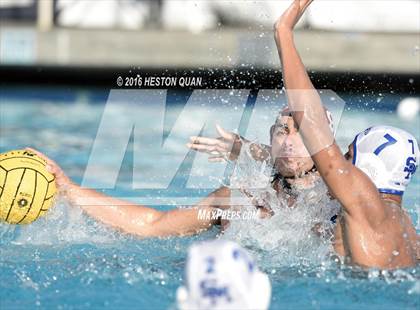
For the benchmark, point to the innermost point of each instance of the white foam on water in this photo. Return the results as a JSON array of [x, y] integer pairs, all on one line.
[[63, 224], [415, 289]]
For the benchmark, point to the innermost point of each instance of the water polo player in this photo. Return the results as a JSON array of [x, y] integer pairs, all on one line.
[[293, 168], [293, 172], [368, 181], [147, 222]]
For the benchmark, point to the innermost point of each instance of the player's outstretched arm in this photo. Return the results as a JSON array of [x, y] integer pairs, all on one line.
[[136, 219], [145, 221], [227, 146], [348, 184]]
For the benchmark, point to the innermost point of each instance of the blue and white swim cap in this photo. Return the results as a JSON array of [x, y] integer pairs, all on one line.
[[222, 275], [388, 155]]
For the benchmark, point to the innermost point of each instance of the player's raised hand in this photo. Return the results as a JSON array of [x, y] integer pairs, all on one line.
[[226, 146], [291, 16], [62, 181]]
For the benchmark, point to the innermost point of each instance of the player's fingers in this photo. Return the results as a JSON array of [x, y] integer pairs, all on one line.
[[38, 153], [223, 146], [211, 149], [216, 159], [197, 147], [223, 133], [53, 169], [223, 149], [202, 147], [51, 165], [34, 151], [293, 6], [304, 4], [204, 140]]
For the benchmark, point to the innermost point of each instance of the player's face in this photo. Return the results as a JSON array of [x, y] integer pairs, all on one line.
[[288, 151]]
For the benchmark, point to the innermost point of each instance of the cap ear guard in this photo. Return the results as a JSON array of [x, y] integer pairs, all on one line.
[[388, 155]]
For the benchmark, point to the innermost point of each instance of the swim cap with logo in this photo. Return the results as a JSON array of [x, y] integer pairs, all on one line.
[[388, 155], [222, 275]]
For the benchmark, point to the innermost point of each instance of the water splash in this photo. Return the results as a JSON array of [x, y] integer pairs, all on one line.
[[301, 234], [63, 224]]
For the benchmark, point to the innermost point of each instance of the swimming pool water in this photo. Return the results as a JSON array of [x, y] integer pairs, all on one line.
[[68, 261]]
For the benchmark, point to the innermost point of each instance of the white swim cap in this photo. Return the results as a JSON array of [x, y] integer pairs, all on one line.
[[222, 275], [388, 155]]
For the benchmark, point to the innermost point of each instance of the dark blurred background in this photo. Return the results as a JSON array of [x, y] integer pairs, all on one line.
[[360, 42]]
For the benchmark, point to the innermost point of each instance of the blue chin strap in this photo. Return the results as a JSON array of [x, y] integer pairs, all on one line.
[[390, 191], [354, 150]]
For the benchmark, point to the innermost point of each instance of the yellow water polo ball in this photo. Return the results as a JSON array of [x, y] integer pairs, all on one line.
[[27, 189]]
